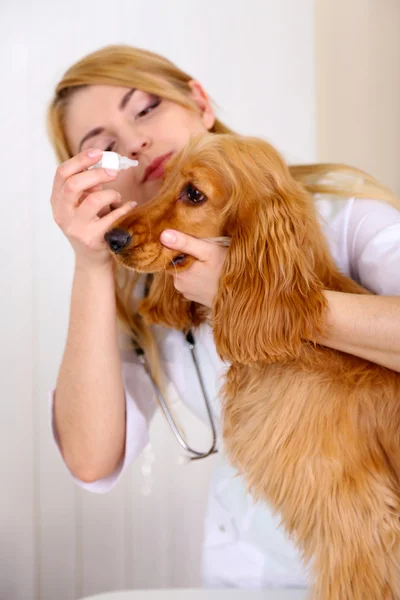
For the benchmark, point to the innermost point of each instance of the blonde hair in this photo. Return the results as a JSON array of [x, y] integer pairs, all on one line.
[[121, 65]]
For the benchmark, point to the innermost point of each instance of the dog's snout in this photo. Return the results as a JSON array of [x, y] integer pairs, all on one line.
[[117, 239]]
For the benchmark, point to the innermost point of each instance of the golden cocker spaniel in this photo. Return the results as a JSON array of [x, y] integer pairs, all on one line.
[[315, 432]]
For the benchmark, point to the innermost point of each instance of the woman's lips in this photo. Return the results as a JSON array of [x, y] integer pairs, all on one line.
[[156, 169]]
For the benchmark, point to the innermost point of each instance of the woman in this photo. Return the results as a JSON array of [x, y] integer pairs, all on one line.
[[143, 107]]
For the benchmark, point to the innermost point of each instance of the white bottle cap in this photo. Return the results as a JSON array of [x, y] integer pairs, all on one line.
[[127, 163], [112, 160]]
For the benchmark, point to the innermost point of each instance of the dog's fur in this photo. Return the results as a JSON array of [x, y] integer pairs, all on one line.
[[315, 432]]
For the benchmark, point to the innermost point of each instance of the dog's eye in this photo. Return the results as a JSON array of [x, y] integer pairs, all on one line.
[[193, 195]]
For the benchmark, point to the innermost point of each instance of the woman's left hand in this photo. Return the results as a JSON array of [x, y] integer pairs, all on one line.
[[199, 282]]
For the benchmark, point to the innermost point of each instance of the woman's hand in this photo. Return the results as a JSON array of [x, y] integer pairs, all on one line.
[[83, 209], [199, 282]]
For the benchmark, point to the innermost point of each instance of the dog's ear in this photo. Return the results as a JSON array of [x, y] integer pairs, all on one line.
[[270, 297], [164, 305]]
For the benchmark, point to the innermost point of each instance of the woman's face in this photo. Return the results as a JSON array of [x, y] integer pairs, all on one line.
[[138, 125]]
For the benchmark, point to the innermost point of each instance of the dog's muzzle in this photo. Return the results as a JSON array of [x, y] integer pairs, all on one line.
[[117, 239]]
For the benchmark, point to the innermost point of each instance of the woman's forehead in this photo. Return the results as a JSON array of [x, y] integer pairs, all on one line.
[[94, 99]]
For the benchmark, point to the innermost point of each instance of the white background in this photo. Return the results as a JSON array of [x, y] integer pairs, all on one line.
[[257, 59]]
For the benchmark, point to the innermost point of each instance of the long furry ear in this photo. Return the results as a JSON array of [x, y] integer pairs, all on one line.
[[165, 306], [270, 295]]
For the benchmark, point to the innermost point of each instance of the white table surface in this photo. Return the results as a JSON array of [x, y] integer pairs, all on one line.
[[204, 594]]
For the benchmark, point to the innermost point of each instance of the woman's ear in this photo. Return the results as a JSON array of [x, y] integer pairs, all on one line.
[[270, 297], [203, 103]]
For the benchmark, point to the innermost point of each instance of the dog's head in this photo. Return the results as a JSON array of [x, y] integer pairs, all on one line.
[[193, 199]]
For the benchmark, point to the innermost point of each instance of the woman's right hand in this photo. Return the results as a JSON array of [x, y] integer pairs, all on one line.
[[83, 209]]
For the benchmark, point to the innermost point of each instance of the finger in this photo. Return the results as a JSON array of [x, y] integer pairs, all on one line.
[[187, 244], [106, 223], [78, 163], [95, 188], [83, 182], [85, 194], [94, 203]]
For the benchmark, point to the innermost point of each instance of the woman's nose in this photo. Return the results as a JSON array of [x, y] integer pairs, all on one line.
[[136, 145], [117, 239]]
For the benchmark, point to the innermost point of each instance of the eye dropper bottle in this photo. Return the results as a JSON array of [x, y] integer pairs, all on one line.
[[112, 160]]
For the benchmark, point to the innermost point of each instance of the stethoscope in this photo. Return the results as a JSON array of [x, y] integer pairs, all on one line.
[[193, 454]]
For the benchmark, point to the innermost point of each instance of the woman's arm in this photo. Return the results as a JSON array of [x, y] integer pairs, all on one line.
[[369, 325], [90, 401], [365, 325]]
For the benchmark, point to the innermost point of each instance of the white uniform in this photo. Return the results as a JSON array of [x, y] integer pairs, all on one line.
[[243, 546]]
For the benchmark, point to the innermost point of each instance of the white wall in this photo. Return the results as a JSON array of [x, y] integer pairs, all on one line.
[[256, 59], [358, 85]]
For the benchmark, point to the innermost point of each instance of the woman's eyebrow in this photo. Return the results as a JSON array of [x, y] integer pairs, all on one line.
[[91, 134], [99, 130], [126, 99]]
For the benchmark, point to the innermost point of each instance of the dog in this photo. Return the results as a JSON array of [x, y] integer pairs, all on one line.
[[314, 431]]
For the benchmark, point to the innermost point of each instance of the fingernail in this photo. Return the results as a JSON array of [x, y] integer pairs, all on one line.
[[168, 237], [111, 172], [133, 204], [93, 153]]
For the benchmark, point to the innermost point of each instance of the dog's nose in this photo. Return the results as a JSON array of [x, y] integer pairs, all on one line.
[[117, 239]]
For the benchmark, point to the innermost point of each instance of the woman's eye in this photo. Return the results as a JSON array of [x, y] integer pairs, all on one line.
[[193, 195], [109, 148], [152, 106]]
